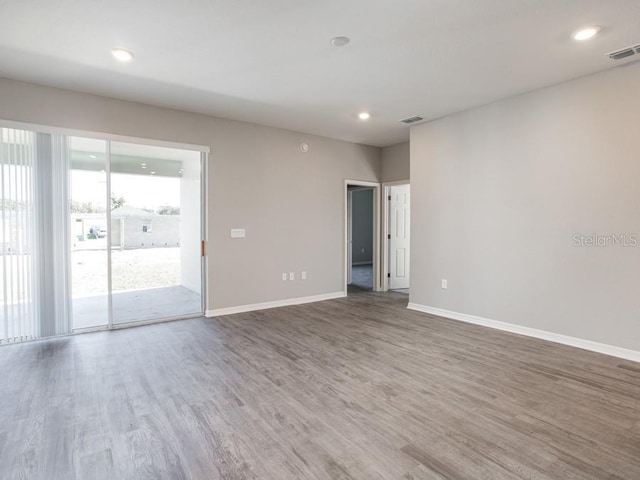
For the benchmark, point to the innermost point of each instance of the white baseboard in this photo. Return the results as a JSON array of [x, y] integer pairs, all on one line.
[[612, 350], [275, 304]]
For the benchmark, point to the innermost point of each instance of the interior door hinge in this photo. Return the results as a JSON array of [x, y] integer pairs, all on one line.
[[389, 198], [388, 275], [388, 236], [202, 248]]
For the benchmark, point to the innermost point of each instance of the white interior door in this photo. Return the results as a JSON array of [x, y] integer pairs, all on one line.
[[399, 235]]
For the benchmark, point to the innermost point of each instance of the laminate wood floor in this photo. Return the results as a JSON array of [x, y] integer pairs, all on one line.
[[355, 388]]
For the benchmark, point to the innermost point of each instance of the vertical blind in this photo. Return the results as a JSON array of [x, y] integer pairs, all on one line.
[[18, 292], [60, 253]]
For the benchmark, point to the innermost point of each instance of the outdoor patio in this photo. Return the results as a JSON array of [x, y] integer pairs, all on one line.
[[136, 306], [145, 281]]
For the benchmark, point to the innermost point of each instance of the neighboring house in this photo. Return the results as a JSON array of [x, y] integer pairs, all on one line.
[[85, 226], [130, 228], [136, 228]]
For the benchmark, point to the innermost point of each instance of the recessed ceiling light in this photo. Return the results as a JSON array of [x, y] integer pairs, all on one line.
[[586, 33], [93, 156], [122, 54], [364, 116], [152, 173], [340, 41]]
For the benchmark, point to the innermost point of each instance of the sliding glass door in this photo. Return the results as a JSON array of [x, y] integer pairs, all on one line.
[[156, 232], [96, 234]]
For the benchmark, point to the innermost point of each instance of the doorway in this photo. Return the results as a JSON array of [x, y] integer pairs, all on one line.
[[361, 235], [398, 237]]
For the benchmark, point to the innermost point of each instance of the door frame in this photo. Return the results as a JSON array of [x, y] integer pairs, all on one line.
[[204, 229], [385, 234], [204, 273], [202, 234], [204, 155], [349, 226], [377, 284]]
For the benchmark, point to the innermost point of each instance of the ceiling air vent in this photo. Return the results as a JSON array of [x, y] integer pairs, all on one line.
[[624, 53], [411, 120]]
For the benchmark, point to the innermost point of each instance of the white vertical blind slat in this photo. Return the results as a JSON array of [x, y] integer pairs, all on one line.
[[5, 309], [61, 242], [30, 212], [20, 250], [23, 253], [11, 299]]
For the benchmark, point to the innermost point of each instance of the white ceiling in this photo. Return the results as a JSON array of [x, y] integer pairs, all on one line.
[[270, 62]]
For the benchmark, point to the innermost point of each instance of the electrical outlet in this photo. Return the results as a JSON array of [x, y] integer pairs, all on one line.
[[303, 276], [284, 276], [444, 283], [292, 276]]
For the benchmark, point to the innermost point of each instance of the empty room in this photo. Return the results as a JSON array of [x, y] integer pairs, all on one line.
[[330, 240]]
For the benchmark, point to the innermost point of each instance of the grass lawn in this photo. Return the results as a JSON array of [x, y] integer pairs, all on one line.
[[131, 269]]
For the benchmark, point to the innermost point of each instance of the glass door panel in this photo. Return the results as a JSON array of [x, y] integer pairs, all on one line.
[[156, 265], [89, 232]]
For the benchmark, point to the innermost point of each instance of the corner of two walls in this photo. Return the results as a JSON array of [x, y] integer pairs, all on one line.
[[529, 208], [395, 163]]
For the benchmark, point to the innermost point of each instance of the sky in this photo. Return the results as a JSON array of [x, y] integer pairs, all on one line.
[[140, 191]]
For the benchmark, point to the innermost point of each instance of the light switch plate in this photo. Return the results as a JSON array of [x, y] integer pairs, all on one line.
[[237, 233]]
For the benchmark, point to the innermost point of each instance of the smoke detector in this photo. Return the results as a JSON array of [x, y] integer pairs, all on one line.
[[339, 41]]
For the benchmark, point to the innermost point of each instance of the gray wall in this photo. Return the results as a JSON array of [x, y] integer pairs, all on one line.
[[362, 222], [290, 203], [395, 163], [499, 191]]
